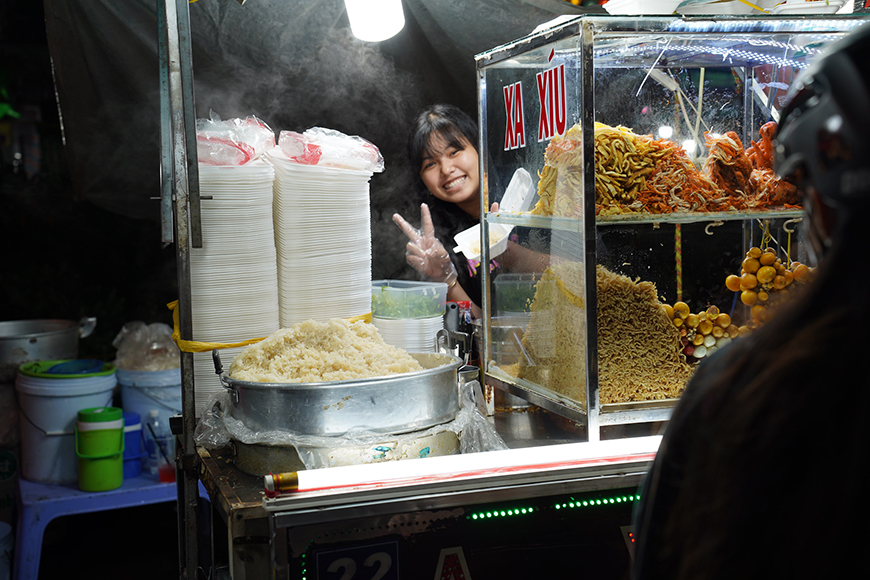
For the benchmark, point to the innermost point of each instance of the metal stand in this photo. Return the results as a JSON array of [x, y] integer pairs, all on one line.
[[180, 206]]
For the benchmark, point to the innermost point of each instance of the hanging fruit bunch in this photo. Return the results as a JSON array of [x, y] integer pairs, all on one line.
[[765, 281], [703, 332]]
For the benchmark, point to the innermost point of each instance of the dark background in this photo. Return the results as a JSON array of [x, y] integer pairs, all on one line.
[[80, 163]]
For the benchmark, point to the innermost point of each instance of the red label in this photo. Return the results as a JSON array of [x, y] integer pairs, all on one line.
[[552, 96], [515, 129], [452, 565]]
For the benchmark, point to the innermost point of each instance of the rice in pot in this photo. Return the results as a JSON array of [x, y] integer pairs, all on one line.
[[314, 352]]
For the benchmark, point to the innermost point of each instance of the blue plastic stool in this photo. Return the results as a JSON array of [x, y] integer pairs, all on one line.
[[39, 504]]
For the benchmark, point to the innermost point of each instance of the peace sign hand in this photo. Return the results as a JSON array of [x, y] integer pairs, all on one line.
[[424, 252]]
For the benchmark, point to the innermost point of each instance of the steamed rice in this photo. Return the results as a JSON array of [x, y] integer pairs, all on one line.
[[314, 352]]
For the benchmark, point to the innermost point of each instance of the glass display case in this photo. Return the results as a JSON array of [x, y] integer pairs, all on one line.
[[658, 231]]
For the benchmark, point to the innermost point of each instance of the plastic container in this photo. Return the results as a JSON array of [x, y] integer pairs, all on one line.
[[134, 450], [513, 293], [516, 199], [160, 445], [100, 448], [142, 391], [399, 299], [468, 241], [49, 408]]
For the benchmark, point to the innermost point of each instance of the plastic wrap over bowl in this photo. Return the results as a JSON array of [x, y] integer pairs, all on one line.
[[391, 404]]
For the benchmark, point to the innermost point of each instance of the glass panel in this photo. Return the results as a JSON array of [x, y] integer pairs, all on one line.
[[696, 93]]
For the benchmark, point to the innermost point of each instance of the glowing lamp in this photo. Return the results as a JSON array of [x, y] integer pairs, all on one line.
[[375, 20]]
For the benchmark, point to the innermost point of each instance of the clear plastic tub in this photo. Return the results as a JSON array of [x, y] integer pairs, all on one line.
[[398, 299]]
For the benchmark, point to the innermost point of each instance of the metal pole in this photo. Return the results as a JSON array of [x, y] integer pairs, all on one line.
[[178, 134]]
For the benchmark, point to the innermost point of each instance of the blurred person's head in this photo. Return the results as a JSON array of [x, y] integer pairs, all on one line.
[[821, 142]]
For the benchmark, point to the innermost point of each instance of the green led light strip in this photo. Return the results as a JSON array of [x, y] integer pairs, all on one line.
[[489, 514], [572, 504], [597, 502]]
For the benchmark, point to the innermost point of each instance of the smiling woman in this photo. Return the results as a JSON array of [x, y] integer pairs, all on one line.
[[443, 148], [450, 171]]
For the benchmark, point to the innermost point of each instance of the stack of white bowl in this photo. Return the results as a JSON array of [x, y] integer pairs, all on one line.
[[411, 334], [233, 277], [323, 241]]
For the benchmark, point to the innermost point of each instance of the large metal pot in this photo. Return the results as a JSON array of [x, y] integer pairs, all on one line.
[[23, 341], [392, 404]]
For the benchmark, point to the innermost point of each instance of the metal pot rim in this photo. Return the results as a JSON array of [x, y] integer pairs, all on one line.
[[452, 362], [45, 327]]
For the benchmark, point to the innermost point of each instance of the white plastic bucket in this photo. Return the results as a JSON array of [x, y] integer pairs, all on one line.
[[142, 391], [49, 409]]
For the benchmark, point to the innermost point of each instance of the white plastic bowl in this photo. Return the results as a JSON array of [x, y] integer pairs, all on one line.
[[468, 241]]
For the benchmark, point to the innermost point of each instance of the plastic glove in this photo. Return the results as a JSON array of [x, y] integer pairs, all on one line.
[[424, 252]]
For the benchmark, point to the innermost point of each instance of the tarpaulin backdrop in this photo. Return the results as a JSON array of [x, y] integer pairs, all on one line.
[[292, 63]]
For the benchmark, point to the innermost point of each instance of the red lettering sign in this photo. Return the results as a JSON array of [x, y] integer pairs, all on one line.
[[452, 565], [515, 128], [552, 97]]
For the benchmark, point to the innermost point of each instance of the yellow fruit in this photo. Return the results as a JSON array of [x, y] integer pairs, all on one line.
[[669, 310], [681, 309], [758, 313], [779, 282], [762, 296], [698, 340], [733, 331], [712, 312], [751, 265], [678, 321], [748, 281], [754, 252], [789, 277], [723, 320], [732, 282], [705, 326], [768, 258], [801, 272], [748, 297], [692, 321], [718, 331], [766, 274]]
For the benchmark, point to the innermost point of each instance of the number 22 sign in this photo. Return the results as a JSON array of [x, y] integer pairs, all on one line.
[[370, 562]]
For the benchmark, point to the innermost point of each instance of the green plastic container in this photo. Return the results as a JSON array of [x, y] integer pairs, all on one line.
[[100, 448]]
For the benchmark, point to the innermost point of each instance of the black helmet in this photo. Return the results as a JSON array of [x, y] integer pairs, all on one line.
[[824, 129]]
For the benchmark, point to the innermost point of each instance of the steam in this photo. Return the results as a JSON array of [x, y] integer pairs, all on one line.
[[340, 83]]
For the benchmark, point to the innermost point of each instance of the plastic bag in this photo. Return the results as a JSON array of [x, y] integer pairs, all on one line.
[[232, 142], [327, 147], [217, 428], [146, 347]]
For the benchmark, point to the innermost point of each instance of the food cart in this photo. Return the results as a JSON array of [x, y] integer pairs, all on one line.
[[580, 407]]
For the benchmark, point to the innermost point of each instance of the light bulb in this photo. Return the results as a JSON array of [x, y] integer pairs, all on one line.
[[690, 147], [375, 20]]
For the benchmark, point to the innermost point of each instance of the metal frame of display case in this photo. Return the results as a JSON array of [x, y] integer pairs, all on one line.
[[620, 31]]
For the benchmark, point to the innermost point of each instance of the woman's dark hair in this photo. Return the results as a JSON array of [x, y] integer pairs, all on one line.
[[447, 121], [456, 127]]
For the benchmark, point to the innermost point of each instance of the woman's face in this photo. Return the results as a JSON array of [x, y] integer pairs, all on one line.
[[452, 174]]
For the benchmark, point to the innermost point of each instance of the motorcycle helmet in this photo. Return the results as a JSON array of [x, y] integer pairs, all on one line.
[[823, 135]]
